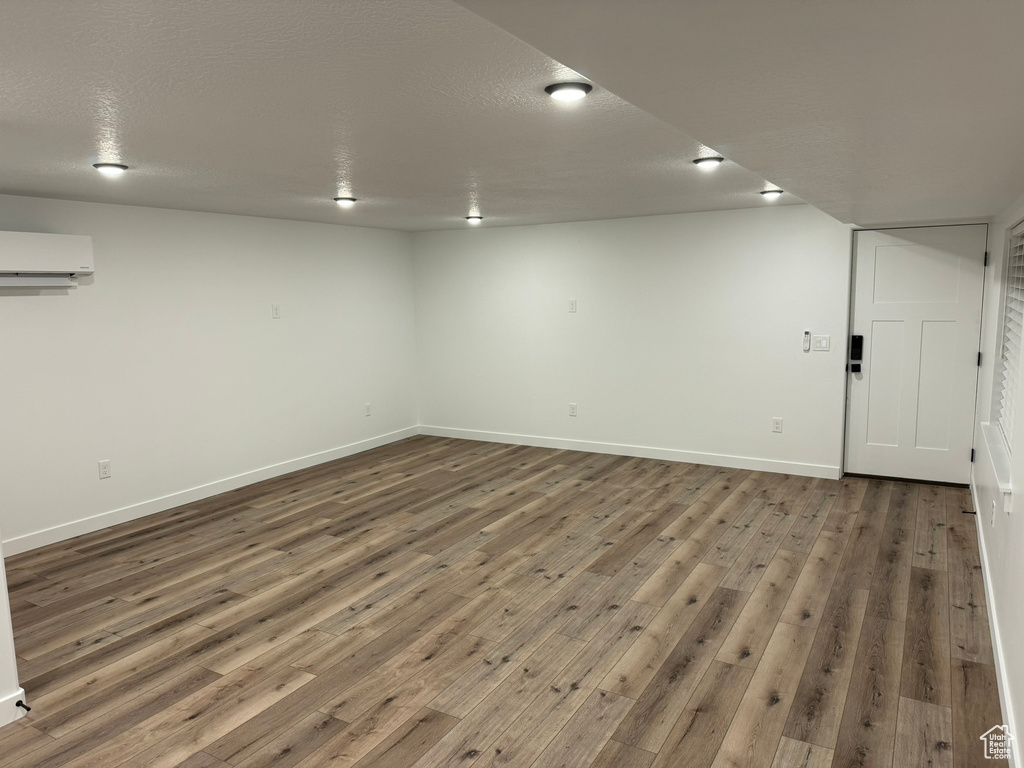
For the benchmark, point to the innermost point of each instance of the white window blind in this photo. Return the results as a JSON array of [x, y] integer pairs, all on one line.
[[1013, 330]]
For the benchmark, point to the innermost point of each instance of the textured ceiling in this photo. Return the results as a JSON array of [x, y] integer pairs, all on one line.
[[419, 108], [876, 111]]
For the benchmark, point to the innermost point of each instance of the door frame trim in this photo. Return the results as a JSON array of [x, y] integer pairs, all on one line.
[[846, 348]]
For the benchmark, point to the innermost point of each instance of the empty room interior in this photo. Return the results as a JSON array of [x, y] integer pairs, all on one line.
[[534, 384]]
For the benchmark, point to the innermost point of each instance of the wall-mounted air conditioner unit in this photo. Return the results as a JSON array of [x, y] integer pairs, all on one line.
[[34, 260]]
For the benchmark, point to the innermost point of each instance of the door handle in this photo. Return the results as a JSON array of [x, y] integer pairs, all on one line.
[[856, 353]]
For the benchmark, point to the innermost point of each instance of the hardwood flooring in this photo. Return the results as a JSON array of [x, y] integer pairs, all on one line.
[[438, 603]]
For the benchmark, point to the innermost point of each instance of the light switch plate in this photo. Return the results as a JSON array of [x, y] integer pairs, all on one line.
[[822, 343]]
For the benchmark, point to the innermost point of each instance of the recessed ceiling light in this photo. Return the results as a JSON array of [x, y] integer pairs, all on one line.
[[474, 219], [345, 202], [771, 194], [110, 169], [708, 163], [568, 91]]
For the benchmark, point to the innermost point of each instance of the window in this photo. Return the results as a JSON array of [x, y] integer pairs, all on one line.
[[1013, 328]]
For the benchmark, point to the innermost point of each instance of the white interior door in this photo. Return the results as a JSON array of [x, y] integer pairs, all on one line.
[[917, 304]]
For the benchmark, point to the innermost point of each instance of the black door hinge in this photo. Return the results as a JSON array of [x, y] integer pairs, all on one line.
[[968, 511], [972, 455], [979, 359], [986, 258]]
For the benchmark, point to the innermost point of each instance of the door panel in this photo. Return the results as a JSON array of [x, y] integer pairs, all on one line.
[[934, 387], [917, 302], [885, 357], [912, 274]]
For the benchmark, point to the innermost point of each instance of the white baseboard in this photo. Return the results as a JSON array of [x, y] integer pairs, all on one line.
[[134, 511], [74, 528], [644, 452], [1002, 678], [8, 711]]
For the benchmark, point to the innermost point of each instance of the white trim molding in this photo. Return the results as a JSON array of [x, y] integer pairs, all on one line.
[[74, 528], [9, 712], [142, 509], [644, 452], [1000, 460], [1002, 676]]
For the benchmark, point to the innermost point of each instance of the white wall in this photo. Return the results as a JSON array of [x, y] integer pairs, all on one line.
[[1002, 528], [167, 361], [687, 340]]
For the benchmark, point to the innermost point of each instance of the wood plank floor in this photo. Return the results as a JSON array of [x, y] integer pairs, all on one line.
[[451, 603]]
